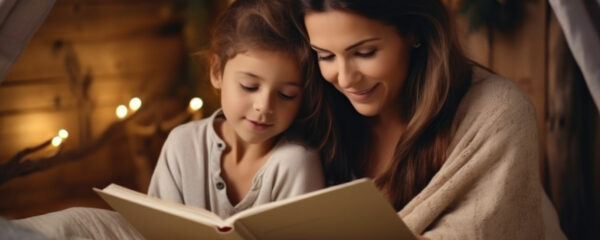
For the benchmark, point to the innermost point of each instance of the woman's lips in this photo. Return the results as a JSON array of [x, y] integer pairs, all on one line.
[[362, 95]]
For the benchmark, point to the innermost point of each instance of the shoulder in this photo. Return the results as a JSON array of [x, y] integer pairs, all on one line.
[[295, 154], [295, 159], [491, 89], [494, 98], [192, 131], [294, 169], [186, 133]]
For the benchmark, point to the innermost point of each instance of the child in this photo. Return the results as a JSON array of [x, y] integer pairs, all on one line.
[[243, 155], [247, 153]]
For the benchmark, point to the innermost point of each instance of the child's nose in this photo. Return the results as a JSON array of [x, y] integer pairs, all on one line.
[[263, 103]]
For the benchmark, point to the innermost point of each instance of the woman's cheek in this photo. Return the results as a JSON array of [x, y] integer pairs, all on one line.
[[328, 72]]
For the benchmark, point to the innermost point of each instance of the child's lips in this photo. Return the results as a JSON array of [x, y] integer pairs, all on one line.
[[258, 125]]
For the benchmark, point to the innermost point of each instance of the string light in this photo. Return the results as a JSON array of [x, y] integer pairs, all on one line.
[[196, 103], [121, 111], [62, 133], [56, 141], [135, 104]]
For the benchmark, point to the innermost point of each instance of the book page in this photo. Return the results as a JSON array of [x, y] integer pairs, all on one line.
[[160, 219], [354, 210]]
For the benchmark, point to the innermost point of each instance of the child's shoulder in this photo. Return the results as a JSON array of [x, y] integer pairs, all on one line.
[[197, 127], [192, 128], [295, 153]]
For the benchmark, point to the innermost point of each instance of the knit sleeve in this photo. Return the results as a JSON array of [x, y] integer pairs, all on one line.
[[489, 187]]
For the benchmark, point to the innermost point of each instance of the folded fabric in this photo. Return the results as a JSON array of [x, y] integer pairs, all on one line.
[[18, 22], [11, 231], [583, 40], [80, 223]]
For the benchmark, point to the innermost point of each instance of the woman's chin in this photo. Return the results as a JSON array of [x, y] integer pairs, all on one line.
[[367, 110]]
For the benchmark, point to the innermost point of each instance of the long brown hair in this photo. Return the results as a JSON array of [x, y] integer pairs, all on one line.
[[270, 25], [439, 75]]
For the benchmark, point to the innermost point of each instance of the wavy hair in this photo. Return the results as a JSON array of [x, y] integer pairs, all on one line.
[[439, 76]]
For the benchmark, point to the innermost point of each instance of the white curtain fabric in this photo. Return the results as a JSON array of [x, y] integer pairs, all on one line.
[[19, 19], [583, 40]]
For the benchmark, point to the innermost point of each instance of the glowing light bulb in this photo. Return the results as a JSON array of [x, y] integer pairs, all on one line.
[[135, 104], [64, 134], [196, 103], [121, 111], [56, 141]]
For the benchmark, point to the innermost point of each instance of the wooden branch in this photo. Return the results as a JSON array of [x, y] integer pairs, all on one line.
[[17, 167]]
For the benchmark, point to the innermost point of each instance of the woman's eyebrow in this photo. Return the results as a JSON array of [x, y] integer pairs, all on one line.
[[349, 47], [361, 42]]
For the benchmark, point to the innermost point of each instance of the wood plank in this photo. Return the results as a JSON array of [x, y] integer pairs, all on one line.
[[120, 57], [106, 20], [521, 57], [89, 2], [475, 44], [43, 96], [58, 95]]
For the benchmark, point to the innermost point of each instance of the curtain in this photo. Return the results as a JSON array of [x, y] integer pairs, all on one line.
[[19, 19], [583, 38]]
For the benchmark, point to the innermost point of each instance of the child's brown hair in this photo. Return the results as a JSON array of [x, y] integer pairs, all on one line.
[[271, 25]]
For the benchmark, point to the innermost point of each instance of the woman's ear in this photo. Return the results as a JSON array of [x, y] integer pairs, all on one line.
[[414, 41], [216, 77]]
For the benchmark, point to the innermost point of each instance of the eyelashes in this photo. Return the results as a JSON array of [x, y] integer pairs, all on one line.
[[282, 95], [366, 54], [249, 88], [361, 54]]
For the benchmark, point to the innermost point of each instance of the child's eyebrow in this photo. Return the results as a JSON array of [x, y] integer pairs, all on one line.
[[252, 75], [249, 74]]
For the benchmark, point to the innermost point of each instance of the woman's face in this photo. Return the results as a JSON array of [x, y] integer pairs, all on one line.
[[363, 58]]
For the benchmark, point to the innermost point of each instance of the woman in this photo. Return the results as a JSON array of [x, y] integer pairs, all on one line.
[[452, 146]]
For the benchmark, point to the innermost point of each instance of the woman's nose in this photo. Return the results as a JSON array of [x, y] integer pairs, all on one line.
[[347, 74]]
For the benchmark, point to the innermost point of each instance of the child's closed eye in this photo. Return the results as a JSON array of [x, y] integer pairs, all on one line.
[[249, 88]]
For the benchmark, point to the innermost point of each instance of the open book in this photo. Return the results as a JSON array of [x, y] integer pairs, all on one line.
[[354, 210]]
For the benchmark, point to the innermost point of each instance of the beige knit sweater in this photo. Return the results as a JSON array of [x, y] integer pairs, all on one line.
[[489, 187]]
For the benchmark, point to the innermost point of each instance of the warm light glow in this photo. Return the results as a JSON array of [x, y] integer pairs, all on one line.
[[64, 134], [196, 103], [135, 104], [121, 111], [56, 141]]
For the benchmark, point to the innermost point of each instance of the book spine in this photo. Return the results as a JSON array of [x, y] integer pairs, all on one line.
[[244, 231]]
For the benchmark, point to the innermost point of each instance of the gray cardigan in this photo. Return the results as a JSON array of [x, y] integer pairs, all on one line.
[[189, 167]]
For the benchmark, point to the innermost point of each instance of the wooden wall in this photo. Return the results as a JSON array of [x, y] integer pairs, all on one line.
[[87, 58], [536, 57]]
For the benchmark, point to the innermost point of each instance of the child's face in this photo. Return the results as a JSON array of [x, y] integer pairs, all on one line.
[[261, 93]]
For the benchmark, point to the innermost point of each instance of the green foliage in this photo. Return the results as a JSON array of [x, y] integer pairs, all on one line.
[[505, 15]]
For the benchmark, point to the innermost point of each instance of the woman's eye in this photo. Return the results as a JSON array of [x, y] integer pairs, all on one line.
[[248, 87], [325, 57], [287, 96], [366, 53]]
